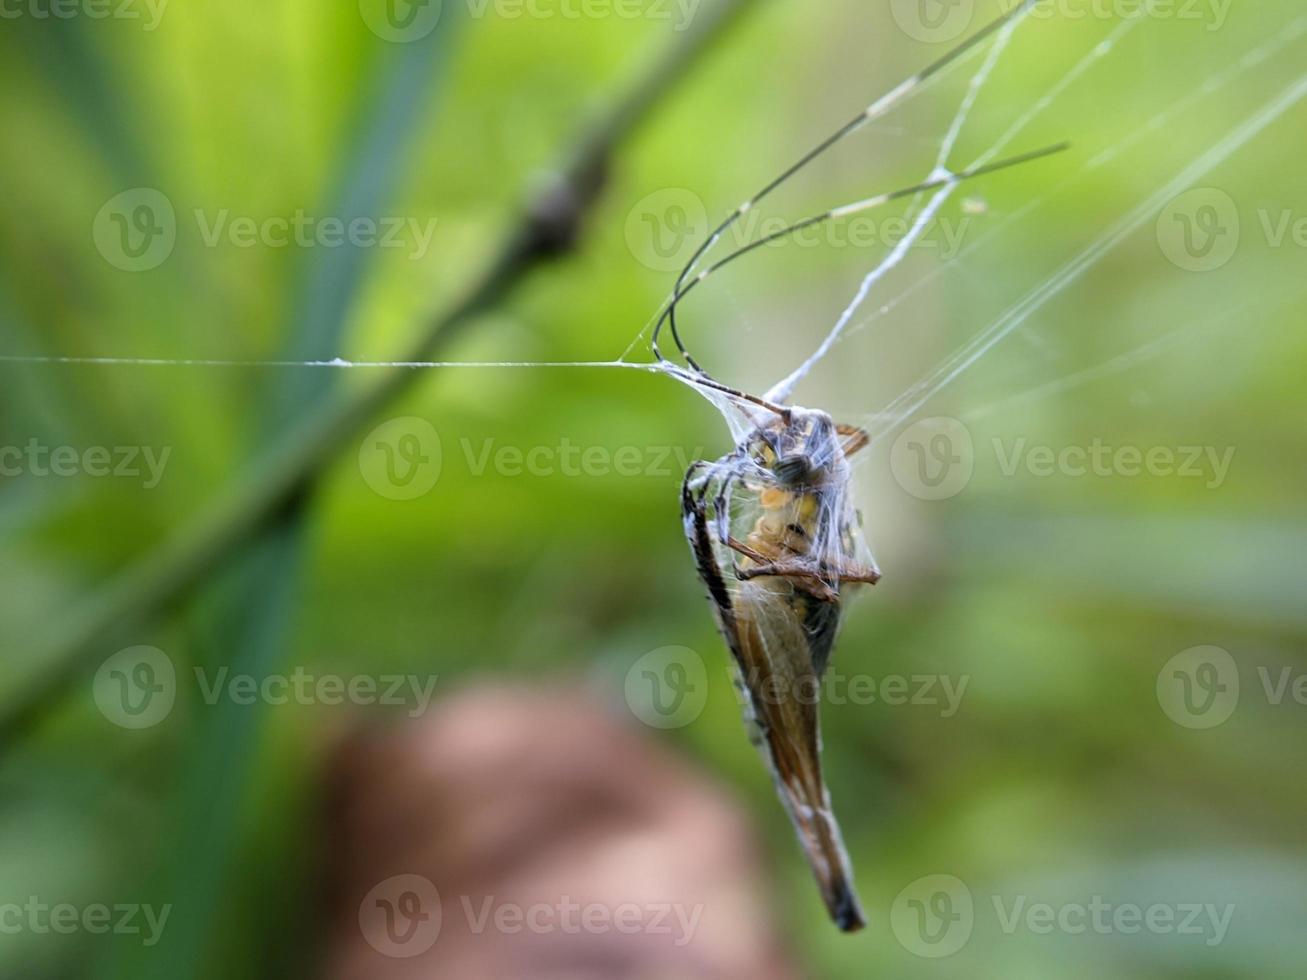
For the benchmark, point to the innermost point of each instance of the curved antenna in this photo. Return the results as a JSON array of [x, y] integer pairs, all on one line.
[[876, 110], [834, 214]]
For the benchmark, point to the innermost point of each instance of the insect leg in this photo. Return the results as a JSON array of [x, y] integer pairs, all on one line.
[[702, 481], [813, 579], [722, 507], [852, 571], [842, 571], [854, 439]]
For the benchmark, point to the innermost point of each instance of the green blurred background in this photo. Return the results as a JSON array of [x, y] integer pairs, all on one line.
[[1073, 766]]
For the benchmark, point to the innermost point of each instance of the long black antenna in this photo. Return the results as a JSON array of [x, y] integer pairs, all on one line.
[[833, 214], [876, 110]]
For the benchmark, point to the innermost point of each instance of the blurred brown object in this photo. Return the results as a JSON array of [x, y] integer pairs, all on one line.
[[562, 843]]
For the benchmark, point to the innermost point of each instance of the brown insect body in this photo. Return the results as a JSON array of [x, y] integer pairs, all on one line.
[[777, 588], [777, 596]]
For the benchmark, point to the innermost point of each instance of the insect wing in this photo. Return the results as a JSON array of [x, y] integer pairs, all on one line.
[[776, 633]]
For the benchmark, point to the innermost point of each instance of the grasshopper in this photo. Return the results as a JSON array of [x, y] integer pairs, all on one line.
[[774, 533], [778, 596]]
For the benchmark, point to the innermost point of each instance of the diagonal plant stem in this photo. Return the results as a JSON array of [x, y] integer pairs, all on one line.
[[550, 226], [254, 593]]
